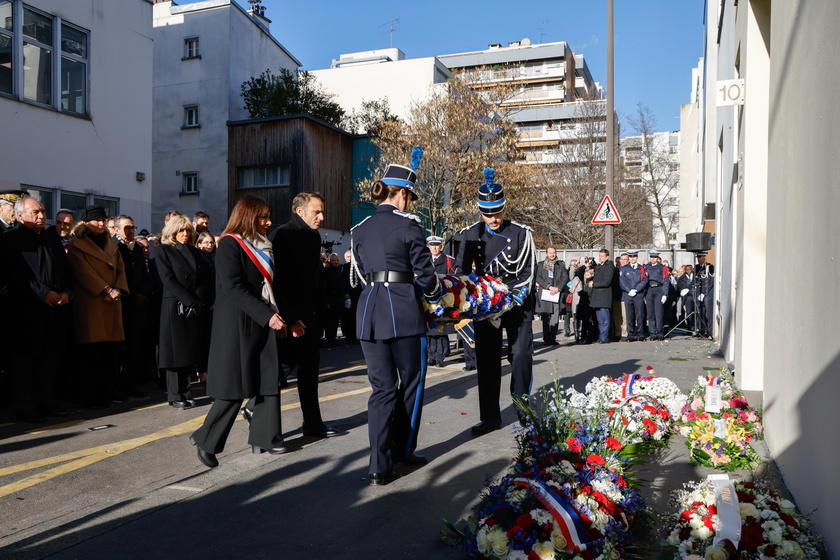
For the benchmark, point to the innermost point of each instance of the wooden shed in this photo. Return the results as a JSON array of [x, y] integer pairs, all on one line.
[[276, 158]]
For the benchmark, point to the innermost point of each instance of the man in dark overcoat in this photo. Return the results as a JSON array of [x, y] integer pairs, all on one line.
[[38, 295], [301, 295], [602, 293]]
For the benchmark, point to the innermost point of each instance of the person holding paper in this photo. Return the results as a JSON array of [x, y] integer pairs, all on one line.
[[550, 288]]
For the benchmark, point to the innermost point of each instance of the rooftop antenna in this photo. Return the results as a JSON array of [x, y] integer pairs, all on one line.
[[256, 8], [392, 26], [542, 29]]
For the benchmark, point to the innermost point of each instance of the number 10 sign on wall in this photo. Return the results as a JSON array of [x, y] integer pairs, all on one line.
[[607, 213]]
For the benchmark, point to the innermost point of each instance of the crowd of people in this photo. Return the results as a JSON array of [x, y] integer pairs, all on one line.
[[608, 301], [239, 310]]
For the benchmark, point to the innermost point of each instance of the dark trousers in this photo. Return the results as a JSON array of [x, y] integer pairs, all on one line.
[[265, 429], [348, 324], [635, 307], [177, 383], [602, 314], [549, 328], [34, 370], [305, 353], [488, 356], [655, 310], [99, 370], [397, 375], [438, 347], [469, 356]]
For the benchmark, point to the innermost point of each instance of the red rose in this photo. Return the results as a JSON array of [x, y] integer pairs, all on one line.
[[596, 460], [649, 368], [751, 538], [525, 520]]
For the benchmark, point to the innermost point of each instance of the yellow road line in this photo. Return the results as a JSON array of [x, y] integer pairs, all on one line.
[[86, 457]]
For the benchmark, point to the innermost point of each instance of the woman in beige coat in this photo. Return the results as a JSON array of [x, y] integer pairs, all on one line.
[[100, 282]]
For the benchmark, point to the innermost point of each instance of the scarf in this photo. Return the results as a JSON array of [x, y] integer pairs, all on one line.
[[549, 264]]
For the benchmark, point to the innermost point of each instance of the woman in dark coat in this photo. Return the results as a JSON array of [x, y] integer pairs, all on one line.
[[390, 251], [187, 283], [243, 357]]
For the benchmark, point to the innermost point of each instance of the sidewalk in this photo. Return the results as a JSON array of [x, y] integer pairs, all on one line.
[[315, 501]]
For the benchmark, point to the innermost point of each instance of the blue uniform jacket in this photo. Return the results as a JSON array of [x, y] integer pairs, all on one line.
[[504, 254], [659, 277], [391, 240], [630, 279]]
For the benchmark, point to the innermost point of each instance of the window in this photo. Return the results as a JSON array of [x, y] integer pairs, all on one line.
[[271, 176], [190, 183], [191, 116], [191, 48], [111, 205], [43, 59], [44, 196]]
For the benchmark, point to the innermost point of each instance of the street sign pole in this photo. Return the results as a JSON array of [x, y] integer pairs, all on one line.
[[610, 122]]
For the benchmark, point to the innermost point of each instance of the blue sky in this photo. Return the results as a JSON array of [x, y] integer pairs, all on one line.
[[657, 42]]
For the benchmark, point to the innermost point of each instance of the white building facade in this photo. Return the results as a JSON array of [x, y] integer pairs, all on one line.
[[769, 166], [203, 54], [75, 103]]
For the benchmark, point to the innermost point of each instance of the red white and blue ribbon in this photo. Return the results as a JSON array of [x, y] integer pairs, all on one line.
[[260, 258], [564, 514], [627, 384], [713, 381]]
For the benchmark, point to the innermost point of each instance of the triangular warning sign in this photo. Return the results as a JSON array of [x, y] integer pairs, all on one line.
[[607, 212]]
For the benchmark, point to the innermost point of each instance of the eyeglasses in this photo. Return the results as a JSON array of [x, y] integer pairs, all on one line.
[[129, 227]]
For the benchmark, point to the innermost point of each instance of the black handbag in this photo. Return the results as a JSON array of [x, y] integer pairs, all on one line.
[[187, 311]]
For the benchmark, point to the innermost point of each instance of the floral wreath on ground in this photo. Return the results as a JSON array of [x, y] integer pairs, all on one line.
[[468, 297], [770, 526], [566, 496], [720, 440], [641, 405]]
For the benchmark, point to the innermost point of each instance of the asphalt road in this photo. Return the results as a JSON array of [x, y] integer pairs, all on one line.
[[135, 489]]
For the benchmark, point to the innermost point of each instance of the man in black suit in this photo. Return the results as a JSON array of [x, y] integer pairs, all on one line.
[[38, 295], [301, 295]]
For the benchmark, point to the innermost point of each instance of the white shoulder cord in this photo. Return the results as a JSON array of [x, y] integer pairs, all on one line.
[[526, 256]]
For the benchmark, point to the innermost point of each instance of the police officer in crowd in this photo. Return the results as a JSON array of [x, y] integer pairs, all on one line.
[[505, 250], [705, 285], [633, 280], [659, 283], [438, 340], [390, 253], [7, 208]]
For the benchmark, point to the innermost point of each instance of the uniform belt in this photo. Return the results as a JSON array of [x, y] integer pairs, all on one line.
[[652, 285], [391, 276]]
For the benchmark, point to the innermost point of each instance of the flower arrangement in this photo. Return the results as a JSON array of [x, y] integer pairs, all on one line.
[[770, 526], [720, 439], [602, 391], [468, 297], [567, 495]]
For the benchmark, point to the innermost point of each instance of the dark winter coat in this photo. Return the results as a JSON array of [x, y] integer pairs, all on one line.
[[186, 279], [602, 285], [243, 356]]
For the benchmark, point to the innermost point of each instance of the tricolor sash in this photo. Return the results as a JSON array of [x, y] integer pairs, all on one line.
[[567, 518], [627, 384], [260, 259]]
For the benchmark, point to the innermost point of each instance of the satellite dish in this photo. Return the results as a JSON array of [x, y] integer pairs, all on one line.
[[526, 42]]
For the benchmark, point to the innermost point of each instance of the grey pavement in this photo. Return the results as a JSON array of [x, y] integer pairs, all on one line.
[[314, 502]]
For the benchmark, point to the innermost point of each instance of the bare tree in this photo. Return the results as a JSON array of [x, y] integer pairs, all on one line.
[[654, 169], [368, 117], [566, 189], [462, 130]]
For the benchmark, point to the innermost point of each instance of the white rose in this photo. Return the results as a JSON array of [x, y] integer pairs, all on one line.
[[545, 550], [774, 537], [797, 553], [702, 533], [501, 547], [482, 542], [696, 521], [787, 507], [747, 510], [786, 547], [517, 555], [716, 553], [558, 540]]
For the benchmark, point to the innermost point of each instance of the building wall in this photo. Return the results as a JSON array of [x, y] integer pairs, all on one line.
[[773, 162], [233, 48], [402, 82], [98, 156]]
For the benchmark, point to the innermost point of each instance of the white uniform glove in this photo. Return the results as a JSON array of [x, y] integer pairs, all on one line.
[[700, 297], [631, 293], [664, 299], [347, 303], [684, 291]]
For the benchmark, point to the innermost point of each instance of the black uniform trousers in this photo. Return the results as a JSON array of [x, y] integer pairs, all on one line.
[[655, 309], [397, 375], [635, 308], [265, 429], [488, 356], [438, 347], [306, 355]]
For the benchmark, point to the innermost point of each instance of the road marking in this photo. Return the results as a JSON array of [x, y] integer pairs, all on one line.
[[85, 457]]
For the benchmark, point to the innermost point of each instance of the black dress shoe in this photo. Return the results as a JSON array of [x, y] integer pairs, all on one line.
[[322, 431], [468, 368], [183, 405], [381, 479], [31, 417], [279, 450], [247, 414], [208, 459], [486, 427], [58, 412], [412, 459]]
